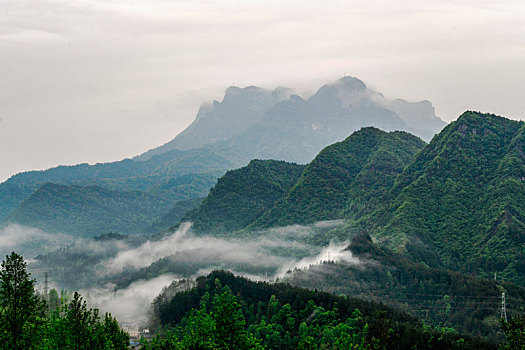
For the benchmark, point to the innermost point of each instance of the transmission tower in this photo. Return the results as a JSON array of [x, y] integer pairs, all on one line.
[[46, 283], [503, 309]]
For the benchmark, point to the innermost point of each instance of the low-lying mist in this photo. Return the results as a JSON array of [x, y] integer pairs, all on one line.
[[29, 241], [124, 275]]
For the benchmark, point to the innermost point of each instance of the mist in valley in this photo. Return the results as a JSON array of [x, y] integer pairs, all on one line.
[[123, 274]]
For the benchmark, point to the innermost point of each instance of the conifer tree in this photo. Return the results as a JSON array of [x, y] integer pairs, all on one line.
[[21, 309]]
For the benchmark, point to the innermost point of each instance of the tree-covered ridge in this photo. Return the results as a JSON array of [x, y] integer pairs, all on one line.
[[468, 304], [228, 312], [244, 194], [459, 204], [125, 175], [90, 210], [347, 178]]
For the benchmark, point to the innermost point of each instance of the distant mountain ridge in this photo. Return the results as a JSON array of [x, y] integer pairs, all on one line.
[[280, 125], [87, 211], [70, 208], [170, 177]]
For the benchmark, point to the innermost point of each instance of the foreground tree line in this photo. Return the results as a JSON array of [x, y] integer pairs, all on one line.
[[225, 312], [27, 321], [228, 312]]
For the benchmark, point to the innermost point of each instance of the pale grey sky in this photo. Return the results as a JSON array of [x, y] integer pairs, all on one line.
[[99, 80]]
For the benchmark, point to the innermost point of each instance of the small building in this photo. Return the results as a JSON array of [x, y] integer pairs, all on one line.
[[145, 334], [131, 328]]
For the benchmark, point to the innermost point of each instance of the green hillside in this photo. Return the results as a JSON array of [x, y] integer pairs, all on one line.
[[242, 195], [464, 302], [228, 312], [459, 204], [90, 210], [347, 178], [125, 175]]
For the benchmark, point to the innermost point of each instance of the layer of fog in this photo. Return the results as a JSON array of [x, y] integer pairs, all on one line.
[[209, 248], [264, 255], [28, 241], [333, 253], [280, 248], [131, 304], [103, 265]]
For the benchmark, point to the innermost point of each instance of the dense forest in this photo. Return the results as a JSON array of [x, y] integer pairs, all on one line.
[[351, 175], [86, 211], [227, 312], [242, 195], [440, 297], [222, 311]]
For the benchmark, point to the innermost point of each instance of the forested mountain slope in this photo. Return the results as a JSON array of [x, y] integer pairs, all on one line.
[[460, 203], [348, 177], [92, 210], [469, 304], [242, 195], [171, 177], [351, 176]]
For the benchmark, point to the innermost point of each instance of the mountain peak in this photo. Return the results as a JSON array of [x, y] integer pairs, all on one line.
[[255, 91], [281, 93], [347, 92], [474, 117], [351, 83], [482, 124], [279, 124]]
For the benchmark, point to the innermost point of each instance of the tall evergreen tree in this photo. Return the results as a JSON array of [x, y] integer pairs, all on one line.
[[20, 307]]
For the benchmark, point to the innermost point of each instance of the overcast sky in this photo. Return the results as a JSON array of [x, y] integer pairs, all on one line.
[[93, 81]]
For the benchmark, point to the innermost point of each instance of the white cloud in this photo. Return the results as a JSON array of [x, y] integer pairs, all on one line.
[[130, 304], [28, 241], [223, 252], [334, 253]]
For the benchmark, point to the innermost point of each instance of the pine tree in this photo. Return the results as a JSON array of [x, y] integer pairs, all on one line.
[[21, 309]]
